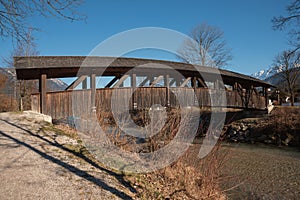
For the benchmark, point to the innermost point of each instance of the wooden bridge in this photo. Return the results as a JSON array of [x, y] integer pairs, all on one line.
[[152, 82]]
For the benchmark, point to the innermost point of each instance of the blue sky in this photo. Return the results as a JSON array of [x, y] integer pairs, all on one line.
[[246, 25]]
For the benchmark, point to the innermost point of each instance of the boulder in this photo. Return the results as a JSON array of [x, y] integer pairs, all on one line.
[[38, 116]]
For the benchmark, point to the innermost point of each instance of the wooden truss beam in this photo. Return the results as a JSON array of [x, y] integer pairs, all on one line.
[[172, 81], [201, 82], [108, 85], [144, 82], [75, 83], [159, 78], [121, 80], [185, 82]]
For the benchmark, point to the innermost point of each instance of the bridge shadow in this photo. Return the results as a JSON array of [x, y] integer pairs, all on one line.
[[232, 116], [73, 169]]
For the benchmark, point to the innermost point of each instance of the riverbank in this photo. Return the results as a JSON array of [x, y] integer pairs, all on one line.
[[280, 128]]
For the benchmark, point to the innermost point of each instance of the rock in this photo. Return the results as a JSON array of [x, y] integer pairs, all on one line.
[[268, 141], [288, 139], [247, 133], [234, 140], [247, 139], [270, 108], [232, 132], [241, 138], [38, 116], [244, 128]]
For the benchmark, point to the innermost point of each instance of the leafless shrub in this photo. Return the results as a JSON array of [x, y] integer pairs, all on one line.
[[8, 103], [286, 121], [188, 178]]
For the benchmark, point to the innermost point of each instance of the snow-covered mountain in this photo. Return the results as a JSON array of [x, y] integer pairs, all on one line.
[[57, 84], [267, 73], [275, 76]]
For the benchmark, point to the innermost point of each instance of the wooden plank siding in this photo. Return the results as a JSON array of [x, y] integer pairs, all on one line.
[[59, 104]]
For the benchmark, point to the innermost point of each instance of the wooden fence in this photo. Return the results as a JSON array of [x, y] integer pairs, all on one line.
[[78, 102]]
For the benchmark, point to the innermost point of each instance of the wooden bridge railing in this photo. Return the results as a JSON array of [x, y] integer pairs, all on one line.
[[60, 104]]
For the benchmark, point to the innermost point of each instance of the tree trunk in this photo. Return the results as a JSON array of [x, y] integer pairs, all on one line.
[[292, 99]]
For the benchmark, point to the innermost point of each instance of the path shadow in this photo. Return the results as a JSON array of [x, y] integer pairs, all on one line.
[[71, 168]]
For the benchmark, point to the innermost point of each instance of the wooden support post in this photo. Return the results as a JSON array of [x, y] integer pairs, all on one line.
[[266, 97], [133, 81], [151, 78], [247, 97], [251, 99], [133, 85], [235, 94], [235, 86], [194, 86], [84, 83], [221, 85], [93, 92], [217, 85], [194, 82], [167, 85], [43, 91], [177, 82]]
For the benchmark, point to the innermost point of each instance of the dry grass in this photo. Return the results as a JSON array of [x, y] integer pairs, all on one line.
[[282, 126], [8, 103], [191, 177], [188, 178]]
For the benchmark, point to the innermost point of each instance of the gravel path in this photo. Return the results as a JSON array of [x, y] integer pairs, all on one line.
[[263, 172], [34, 164]]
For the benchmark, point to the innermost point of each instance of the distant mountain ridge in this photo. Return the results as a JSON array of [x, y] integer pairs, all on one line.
[[274, 76], [52, 84], [16, 95], [267, 73]]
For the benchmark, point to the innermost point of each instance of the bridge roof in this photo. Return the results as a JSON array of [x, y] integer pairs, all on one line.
[[31, 67]]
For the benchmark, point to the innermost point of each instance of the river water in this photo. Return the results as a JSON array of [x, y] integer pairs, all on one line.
[[261, 172]]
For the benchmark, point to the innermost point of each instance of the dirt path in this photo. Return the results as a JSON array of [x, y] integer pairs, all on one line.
[[35, 164]]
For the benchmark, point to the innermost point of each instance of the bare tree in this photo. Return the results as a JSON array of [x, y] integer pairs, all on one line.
[[206, 47], [23, 48], [23, 88], [289, 63], [292, 22], [14, 14]]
